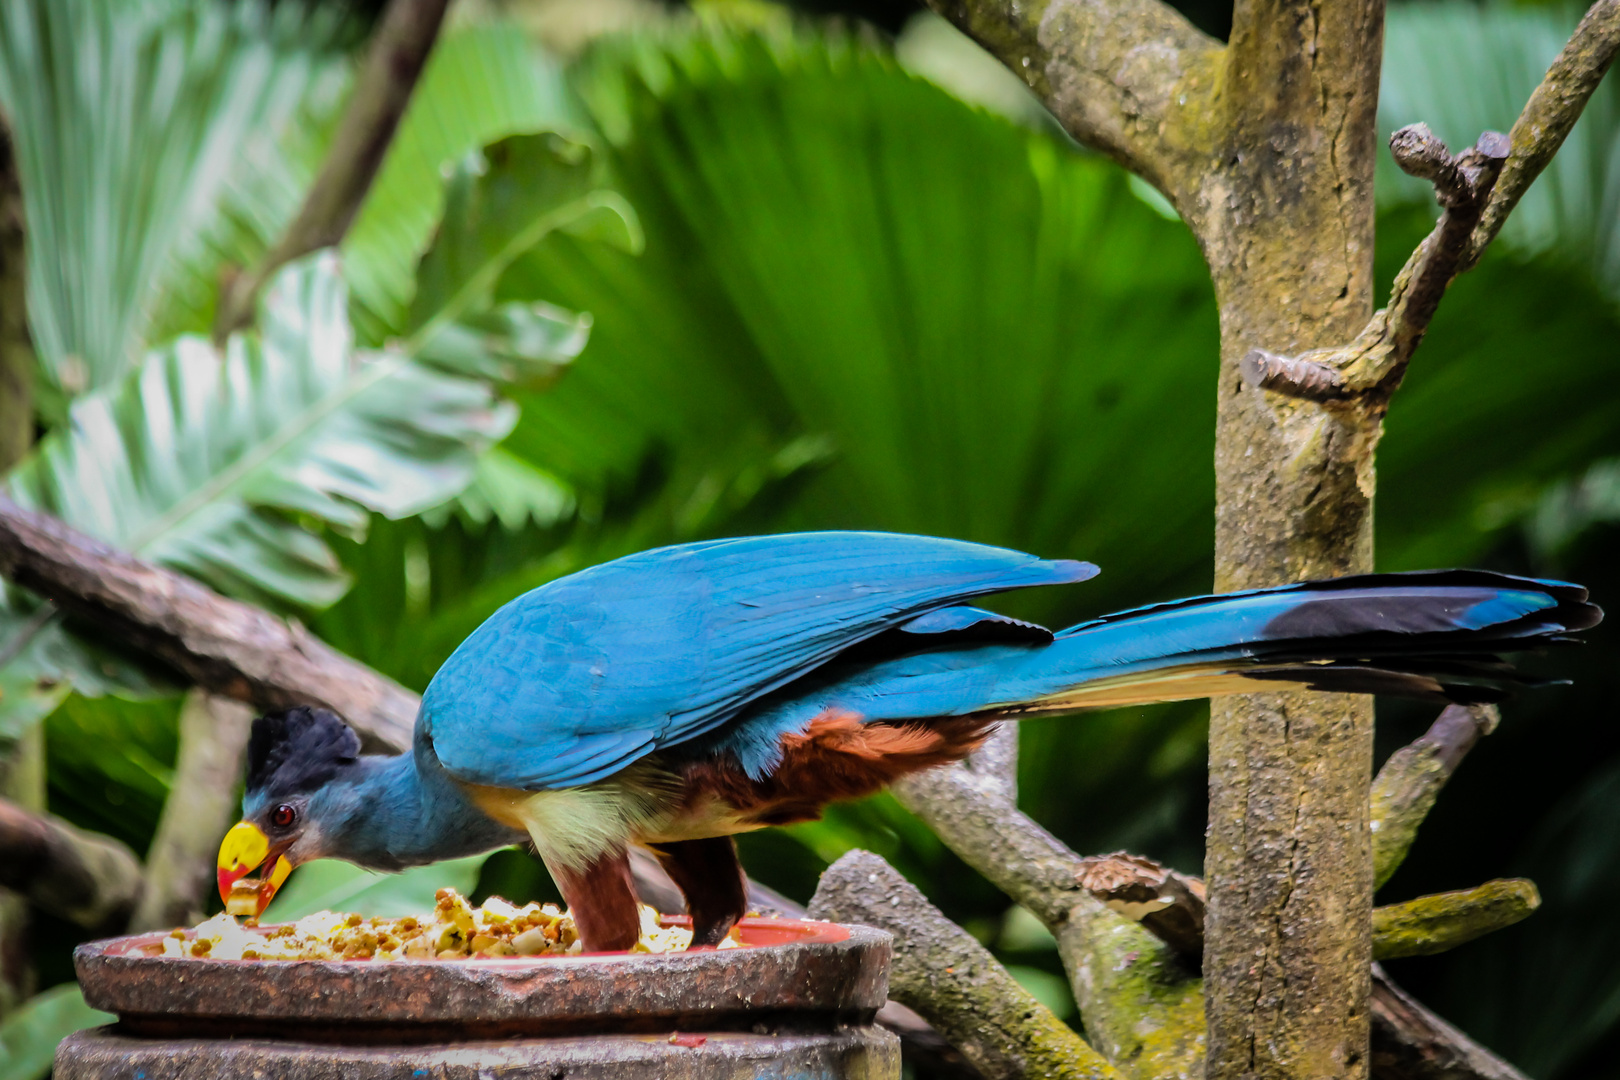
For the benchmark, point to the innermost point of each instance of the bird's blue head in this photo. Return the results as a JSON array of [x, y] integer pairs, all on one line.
[[297, 763]]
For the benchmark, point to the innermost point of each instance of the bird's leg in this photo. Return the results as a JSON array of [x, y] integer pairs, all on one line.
[[602, 900], [708, 872]]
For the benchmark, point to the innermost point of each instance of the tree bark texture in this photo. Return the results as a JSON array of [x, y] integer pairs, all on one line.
[[1286, 222]]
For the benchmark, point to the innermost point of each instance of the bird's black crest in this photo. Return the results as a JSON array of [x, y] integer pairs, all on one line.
[[298, 750]]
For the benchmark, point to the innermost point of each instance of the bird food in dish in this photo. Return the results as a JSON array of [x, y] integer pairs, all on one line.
[[454, 930]]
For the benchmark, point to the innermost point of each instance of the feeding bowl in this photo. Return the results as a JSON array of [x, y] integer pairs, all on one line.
[[798, 995]]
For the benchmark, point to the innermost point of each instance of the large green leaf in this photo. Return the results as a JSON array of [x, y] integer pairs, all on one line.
[[484, 81], [28, 1037], [510, 490], [129, 119], [500, 202], [206, 462]]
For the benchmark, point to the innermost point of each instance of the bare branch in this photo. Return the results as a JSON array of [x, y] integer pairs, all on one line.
[[1443, 921], [1169, 905], [1301, 377], [394, 62], [180, 862], [1142, 1006], [1406, 787], [225, 646], [953, 981], [1478, 189], [1411, 1043], [1125, 986], [1127, 77], [92, 881], [996, 759], [1549, 116], [1370, 368]]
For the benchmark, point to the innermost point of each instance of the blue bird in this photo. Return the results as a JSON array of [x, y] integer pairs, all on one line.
[[676, 697]]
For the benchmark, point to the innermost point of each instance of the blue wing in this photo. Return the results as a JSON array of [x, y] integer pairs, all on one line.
[[573, 681]]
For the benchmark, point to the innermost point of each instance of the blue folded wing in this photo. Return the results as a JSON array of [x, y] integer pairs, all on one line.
[[573, 681]]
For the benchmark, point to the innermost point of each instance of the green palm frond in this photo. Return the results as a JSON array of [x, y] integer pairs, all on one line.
[[210, 463], [500, 203], [129, 119]]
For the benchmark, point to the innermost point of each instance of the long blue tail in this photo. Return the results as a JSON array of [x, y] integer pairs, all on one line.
[[1432, 634]]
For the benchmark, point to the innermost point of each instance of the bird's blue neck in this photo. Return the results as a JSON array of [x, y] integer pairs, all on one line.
[[388, 813]]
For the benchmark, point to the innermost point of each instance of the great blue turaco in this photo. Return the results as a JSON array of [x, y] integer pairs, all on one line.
[[676, 697]]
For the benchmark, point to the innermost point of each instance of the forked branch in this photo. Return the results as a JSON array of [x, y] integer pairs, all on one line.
[[1372, 365], [944, 974], [1107, 913], [1477, 189], [1122, 76]]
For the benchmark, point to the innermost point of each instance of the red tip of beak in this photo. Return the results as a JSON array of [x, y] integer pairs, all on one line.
[[267, 892], [227, 878]]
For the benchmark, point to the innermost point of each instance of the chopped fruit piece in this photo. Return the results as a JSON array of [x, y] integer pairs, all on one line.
[[244, 899]]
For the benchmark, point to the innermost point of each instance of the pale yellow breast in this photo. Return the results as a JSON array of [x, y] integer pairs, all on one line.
[[572, 826]]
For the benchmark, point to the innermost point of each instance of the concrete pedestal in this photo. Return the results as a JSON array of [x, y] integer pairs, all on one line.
[[797, 1002], [855, 1053]]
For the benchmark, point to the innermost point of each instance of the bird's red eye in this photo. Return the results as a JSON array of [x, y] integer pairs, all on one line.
[[283, 816]]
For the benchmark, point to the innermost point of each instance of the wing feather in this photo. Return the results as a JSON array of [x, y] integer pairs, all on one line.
[[571, 682]]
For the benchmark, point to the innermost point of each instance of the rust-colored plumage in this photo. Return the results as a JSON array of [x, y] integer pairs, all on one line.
[[837, 756]]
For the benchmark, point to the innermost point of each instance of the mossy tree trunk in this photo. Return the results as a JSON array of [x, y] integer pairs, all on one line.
[[1266, 147], [1286, 222], [22, 763]]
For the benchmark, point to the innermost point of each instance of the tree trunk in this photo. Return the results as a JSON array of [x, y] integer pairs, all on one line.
[[22, 764], [1286, 220]]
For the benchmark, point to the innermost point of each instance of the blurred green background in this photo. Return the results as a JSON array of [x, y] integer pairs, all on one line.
[[835, 269]]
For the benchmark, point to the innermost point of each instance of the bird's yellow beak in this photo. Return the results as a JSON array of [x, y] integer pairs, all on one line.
[[244, 849]]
